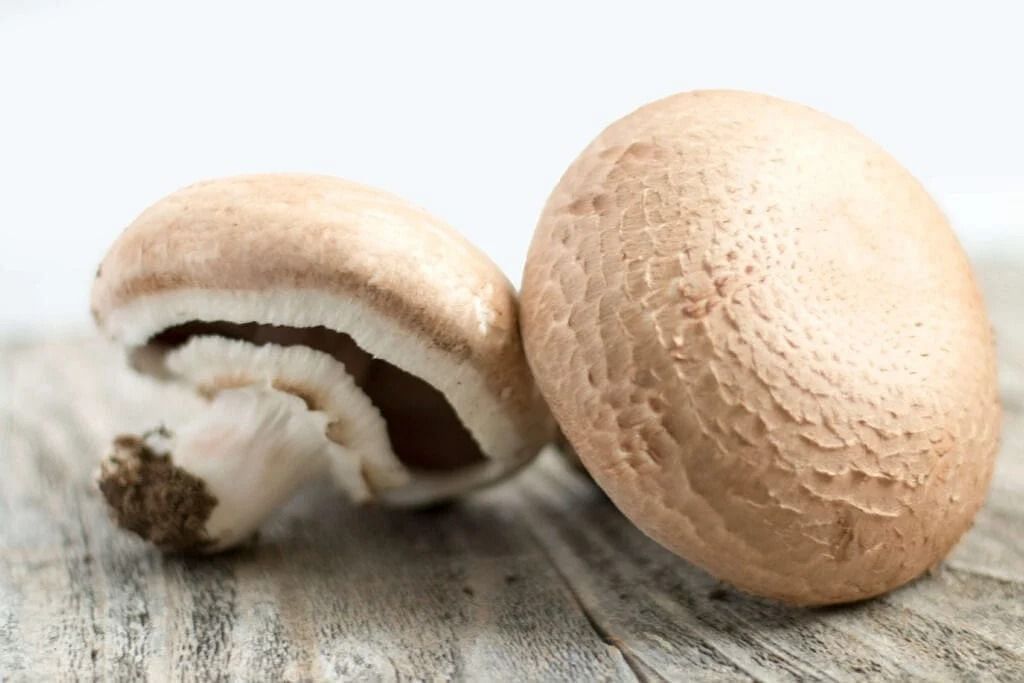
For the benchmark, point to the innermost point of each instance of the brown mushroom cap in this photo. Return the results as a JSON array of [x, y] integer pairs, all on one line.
[[354, 273], [765, 343]]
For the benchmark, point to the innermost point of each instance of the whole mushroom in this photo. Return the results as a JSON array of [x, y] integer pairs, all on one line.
[[765, 343], [334, 328]]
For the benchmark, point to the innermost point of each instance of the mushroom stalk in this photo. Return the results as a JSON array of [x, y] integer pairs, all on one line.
[[211, 483]]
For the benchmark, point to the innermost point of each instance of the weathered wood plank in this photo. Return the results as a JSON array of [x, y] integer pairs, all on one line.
[[541, 579], [330, 591]]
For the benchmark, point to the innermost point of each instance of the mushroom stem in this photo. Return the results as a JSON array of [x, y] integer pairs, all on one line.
[[210, 485]]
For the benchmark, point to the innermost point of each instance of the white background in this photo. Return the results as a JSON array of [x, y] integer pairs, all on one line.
[[469, 110]]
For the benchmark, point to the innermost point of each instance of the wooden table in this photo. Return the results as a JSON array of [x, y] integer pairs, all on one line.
[[541, 579]]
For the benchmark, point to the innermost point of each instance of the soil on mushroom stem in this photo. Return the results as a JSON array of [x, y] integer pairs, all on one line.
[[152, 497]]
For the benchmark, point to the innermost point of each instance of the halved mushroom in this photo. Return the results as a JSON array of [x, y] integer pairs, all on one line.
[[333, 328]]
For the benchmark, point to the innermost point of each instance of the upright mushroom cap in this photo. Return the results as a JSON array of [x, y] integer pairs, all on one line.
[[398, 337], [763, 340]]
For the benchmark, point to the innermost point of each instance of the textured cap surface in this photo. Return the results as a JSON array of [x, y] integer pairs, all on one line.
[[765, 343]]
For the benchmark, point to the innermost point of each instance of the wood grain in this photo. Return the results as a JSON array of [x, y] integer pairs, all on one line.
[[541, 579]]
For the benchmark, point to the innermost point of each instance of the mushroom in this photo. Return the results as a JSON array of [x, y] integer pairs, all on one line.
[[766, 345], [333, 328]]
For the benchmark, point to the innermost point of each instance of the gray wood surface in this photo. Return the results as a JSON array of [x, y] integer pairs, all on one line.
[[541, 579]]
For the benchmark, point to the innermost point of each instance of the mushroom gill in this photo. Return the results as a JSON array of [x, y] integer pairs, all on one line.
[[426, 433]]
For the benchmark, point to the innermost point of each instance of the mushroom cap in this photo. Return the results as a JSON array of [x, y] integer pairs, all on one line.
[[765, 343], [310, 253]]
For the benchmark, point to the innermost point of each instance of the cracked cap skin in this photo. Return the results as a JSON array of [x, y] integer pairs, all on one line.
[[764, 341]]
